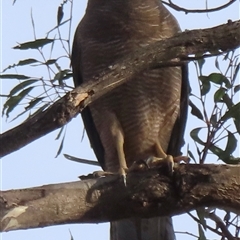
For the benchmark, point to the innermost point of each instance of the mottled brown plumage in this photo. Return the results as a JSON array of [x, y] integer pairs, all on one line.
[[132, 121]]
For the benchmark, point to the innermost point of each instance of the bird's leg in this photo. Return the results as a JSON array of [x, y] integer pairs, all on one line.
[[121, 155], [159, 150], [118, 138]]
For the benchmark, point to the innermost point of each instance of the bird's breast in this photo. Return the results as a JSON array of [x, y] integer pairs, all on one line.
[[147, 106]]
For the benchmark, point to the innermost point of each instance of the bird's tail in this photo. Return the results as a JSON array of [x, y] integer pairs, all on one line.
[[143, 229]]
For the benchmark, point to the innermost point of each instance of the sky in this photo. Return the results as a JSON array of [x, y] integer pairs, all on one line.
[[35, 164]]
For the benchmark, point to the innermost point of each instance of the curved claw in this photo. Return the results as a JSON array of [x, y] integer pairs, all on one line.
[[168, 162]]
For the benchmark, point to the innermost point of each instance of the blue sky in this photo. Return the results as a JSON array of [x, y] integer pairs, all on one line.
[[35, 164]]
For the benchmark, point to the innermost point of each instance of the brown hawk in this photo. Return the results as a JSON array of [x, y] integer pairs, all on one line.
[[141, 118]]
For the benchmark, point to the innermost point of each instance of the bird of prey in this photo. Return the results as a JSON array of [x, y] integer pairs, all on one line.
[[142, 118]]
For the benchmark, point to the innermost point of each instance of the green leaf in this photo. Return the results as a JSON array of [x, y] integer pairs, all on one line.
[[201, 62], [232, 160], [231, 145], [61, 75], [22, 63], [60, 133], [190, 154], [33, 103], [217, 63], [219, 79], [236, 72], [51, 61], [26, 62], [61, 145], [214, 120], [21, 86], [67, 76], [194, 135], [14, 76], [233, 112], [13, 101], [226, 56], [225, 155], [71, 236], [228, 101], [60, 14], [205, 86], [216, 150], [34, 44], [236, 88], [195, 111], [218, 95], [40, 110]]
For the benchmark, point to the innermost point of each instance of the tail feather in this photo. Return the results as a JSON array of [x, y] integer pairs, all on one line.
[[143, 229]]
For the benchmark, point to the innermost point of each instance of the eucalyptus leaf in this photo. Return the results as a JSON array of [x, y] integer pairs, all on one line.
[[236, 88], [195, 111], [51, 61], [236, 72], [233, 112], [218, 78], [38, 43], [22, 63], [231, 144], [214, 120], [13, 101], [217, 151], [14, 76], [60, 14], [192, 156], [21, 86], [201, 62], [218, 95], [61, 145], [194, 135], [33, 103], [205, 85]]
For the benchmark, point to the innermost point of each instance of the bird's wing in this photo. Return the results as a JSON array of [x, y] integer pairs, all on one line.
[[90, 127], [177, 135]]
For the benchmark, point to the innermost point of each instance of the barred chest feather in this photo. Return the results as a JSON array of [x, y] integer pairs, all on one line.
[[147, 106]]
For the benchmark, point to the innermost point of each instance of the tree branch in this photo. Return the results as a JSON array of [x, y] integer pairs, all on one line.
[[186, 10], [146, 195], [164, 53]]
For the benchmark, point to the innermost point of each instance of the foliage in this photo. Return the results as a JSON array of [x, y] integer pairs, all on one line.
[[217, 106], [44, 90]]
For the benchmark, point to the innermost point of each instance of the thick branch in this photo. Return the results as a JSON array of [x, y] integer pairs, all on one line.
[[146, 195], [164, 53]]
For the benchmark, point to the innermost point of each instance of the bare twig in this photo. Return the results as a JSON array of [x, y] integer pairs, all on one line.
[[186, 10]]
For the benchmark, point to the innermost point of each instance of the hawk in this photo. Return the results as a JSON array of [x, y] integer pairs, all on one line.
[[142, 118]]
